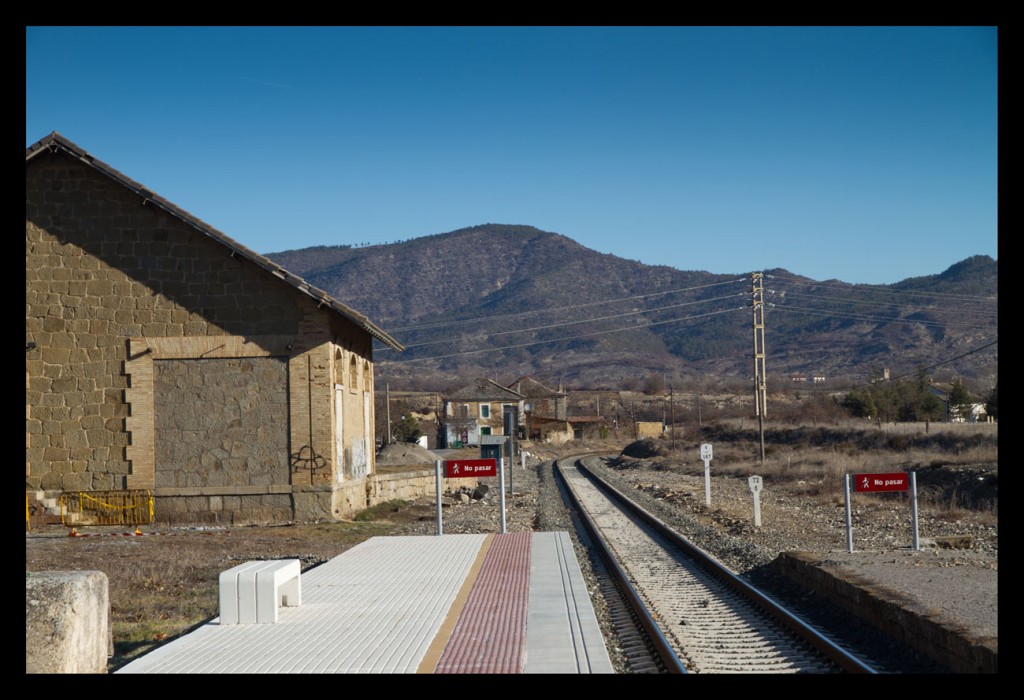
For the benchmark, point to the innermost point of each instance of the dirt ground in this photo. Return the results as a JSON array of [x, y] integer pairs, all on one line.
[[164, 581]]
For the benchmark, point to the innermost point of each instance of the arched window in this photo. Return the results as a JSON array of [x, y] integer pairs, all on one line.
[[353, 373], [339, 366], [367, 381]]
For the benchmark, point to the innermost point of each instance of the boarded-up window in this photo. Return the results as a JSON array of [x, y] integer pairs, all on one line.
[[221, 422], [339, 366]]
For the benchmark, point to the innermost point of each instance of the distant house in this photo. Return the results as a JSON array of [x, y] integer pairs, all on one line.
[[545, 416], [976, 413], [649, 428], [590, 427], [477, 409], [163, 356]]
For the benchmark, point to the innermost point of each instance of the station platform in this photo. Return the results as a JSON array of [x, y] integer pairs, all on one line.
[[464, 603]]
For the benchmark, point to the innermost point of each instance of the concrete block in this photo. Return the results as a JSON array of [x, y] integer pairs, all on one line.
[[67, 622]]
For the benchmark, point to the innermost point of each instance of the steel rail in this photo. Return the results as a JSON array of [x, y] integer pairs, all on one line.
[[660, 645], [825, 646]]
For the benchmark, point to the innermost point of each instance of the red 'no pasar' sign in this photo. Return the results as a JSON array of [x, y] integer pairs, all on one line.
[[459, 468], [880, 482]]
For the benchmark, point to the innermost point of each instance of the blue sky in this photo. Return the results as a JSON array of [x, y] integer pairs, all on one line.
[[863, 154]]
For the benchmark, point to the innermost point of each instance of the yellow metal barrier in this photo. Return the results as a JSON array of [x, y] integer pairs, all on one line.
[[132, 507]]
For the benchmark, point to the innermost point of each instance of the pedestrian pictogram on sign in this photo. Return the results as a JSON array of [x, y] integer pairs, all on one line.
[[880, 482]]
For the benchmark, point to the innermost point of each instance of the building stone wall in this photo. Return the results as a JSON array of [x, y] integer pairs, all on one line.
[[236, 438], [158, 358]]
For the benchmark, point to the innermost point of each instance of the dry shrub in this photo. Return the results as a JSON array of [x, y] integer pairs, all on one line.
[[813, 460]]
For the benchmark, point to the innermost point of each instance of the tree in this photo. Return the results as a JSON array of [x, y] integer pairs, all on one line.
[[960, 400], [886, 397], [929, 407], [654, 384], [917, 402], [408, 429], [860, 403]]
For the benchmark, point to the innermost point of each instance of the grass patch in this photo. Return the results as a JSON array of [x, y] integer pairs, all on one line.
[[382, 511]]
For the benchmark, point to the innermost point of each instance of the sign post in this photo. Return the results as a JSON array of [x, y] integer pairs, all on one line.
[[705, 454], [849, 514], [913, 509], [463, 468], [879, 483], [497, 445], [468, 468], [501, 481], [437, 494], [755, 488]]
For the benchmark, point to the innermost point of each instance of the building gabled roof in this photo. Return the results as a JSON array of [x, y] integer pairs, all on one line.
[[528, 386], [586, 419], [56, 143], [546, 420], [483, 389]]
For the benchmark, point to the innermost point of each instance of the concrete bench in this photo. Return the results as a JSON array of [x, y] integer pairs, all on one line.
[[250, 593]]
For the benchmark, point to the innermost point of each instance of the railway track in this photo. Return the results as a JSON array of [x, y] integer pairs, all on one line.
[[695, 616]]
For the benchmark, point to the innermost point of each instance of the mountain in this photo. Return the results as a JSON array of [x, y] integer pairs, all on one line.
[[505, 301]]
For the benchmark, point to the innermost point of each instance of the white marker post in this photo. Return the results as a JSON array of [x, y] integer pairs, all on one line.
[[705, 454], [849, 513], [501, 474], [755, 488]]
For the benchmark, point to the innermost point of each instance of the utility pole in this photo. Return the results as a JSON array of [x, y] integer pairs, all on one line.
[[387, 411], [760, 395], [672, 415]]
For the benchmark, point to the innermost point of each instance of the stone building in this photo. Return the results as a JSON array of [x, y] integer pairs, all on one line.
[[477, 410], [163, 356], [545, 411]]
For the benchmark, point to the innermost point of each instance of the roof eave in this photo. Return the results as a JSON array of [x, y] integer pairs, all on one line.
[[55, 142]]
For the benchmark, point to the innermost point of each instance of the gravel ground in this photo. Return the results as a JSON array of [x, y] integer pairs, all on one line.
[[959, 585]]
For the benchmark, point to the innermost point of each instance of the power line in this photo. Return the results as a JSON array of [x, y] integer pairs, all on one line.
[[569, 323], [877, 319], [571, 307], [558, 340], [887, 290], [782, 306], [931, 367], [876, 302]]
